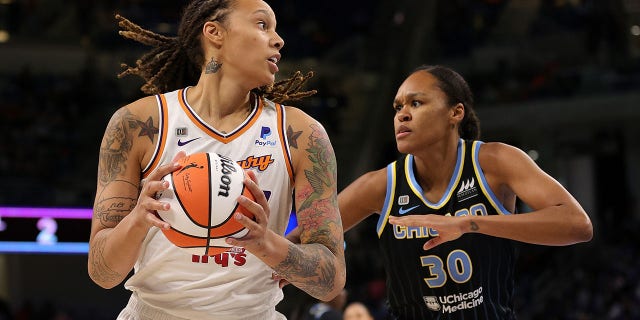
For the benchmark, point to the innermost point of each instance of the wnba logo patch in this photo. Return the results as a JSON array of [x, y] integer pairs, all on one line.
[[403, 199], [181, 132]]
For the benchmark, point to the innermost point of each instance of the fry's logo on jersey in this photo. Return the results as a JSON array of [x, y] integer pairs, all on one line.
[[455, 302], [261, 163], [235, 255]]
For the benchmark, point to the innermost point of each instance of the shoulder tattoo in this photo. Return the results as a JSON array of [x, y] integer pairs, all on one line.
[[118, 141], [292, 137]]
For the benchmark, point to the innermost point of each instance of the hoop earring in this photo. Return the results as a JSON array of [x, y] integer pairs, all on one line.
[[212, 66]]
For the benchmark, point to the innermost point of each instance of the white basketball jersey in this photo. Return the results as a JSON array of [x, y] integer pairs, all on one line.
[[235, 284]]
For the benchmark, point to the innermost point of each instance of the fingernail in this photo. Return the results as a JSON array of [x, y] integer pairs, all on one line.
[[228, 241], [237, 216]]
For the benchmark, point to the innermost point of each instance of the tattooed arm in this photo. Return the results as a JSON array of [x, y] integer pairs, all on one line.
[[315, 265], [122, 212]]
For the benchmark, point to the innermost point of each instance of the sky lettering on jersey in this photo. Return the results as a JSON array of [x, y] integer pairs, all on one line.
[[403, 232]]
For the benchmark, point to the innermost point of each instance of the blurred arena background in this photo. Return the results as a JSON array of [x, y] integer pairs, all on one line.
[[559, 79]]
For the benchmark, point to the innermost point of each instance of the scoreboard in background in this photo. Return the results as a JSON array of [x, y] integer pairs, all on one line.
[[52, 230], [45, 230]]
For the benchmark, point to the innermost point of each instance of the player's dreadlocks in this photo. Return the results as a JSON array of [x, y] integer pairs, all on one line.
[[176, 62]]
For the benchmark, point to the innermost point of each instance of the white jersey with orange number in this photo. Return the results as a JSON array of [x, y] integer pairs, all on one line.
[[235, 284]]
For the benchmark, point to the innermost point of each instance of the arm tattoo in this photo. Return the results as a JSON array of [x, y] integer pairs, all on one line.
[[116, 144], [100, 272], [116, 197], [118, 141], [109, 209], [323, 174], [146, 128], [292, 137], [474, 226], [313, 270], [318, 277]]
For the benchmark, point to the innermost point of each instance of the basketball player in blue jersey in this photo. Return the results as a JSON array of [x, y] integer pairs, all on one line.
[[212, 89], [447, 207]]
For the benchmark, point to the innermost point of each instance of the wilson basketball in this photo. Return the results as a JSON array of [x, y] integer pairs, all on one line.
[[202, 195]]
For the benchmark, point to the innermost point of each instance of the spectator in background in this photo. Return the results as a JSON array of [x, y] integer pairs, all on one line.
[[356, 311], [330, 310]]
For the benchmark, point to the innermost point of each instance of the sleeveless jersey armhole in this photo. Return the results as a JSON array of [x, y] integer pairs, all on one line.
[[388, 199], [484, 186], [162, 136], [282, 132]]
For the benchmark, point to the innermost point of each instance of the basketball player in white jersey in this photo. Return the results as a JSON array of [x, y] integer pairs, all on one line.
[[212, 90]]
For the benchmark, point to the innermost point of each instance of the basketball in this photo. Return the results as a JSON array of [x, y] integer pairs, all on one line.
[[202, 195]]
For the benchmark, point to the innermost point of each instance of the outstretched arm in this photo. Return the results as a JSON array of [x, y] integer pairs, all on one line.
[[556, 217]]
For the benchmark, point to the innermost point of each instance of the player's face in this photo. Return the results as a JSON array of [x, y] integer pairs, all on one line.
[[251, 46], [422, 116]]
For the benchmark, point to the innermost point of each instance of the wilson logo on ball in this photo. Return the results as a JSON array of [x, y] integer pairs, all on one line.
[[202, 195], [228, 167]]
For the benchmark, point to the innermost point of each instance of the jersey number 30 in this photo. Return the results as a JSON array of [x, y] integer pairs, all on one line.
[[458, 268]]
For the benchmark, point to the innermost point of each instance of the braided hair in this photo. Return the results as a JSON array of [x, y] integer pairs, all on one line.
[[176, 62]]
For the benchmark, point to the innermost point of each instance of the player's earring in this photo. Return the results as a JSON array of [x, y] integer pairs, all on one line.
[[212, 66]]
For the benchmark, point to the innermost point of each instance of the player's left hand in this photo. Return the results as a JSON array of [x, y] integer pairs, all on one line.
[[448, 227], [256, 240]]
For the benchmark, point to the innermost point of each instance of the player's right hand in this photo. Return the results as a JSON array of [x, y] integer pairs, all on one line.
[[147, 204]]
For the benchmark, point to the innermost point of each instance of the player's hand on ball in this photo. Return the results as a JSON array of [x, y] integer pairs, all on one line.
[[255, 240], [147, 204]]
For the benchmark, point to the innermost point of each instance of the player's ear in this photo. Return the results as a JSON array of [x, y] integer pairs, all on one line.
[[214, 32], [457, 112]]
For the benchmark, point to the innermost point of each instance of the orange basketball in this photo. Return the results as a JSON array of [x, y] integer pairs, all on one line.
[[202, 195]]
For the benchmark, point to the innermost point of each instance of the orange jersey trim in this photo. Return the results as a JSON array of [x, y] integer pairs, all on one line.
[[283, 139], [211, 132], [163, 120]]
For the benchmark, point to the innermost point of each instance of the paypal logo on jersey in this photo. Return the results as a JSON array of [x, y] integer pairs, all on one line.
[[265, 132]]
